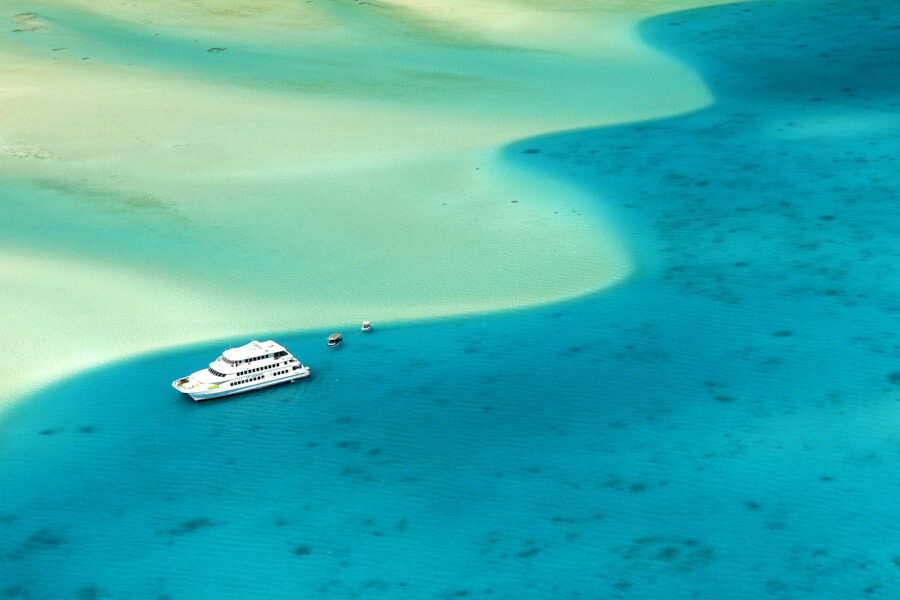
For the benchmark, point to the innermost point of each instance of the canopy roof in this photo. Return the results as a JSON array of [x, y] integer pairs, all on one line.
[[254, 348]]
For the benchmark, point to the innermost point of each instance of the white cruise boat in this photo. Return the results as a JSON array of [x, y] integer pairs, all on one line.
[[251, 367]]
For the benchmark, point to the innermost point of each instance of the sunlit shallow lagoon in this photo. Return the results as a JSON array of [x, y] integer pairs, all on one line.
[[722, 425], [338, 159]]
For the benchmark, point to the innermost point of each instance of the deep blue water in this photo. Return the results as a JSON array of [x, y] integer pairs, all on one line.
[[724, 425]]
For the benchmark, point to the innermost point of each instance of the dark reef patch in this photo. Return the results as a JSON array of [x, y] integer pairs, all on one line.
[[189, 526], [667, 553], [40, 540], [89, 592]]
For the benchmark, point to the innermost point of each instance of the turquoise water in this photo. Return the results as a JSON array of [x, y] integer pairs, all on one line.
[[721, 426]]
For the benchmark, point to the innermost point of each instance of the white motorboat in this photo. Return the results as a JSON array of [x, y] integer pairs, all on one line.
[[250, 367]]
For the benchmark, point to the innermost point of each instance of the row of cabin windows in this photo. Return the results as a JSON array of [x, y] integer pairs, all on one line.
[[257, 369], [258, 377], [248, 380], [278, 354]]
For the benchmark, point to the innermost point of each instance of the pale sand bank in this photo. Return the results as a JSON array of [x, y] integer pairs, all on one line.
[[166, 199], [112, 301]]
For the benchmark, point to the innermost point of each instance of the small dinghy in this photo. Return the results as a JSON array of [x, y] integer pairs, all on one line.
[[366, 326], [334, 339]]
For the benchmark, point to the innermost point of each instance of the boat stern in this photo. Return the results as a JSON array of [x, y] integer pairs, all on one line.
[[190, 386], [184, 384], [197, 390]]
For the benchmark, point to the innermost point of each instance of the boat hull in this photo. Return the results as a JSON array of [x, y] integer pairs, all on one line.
[[201, 395]]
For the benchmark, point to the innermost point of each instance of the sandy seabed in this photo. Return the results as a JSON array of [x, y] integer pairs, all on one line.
[[179, 173]]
